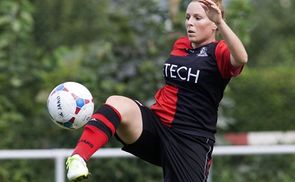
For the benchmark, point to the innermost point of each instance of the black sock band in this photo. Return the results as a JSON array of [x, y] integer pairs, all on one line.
[[107, 119]]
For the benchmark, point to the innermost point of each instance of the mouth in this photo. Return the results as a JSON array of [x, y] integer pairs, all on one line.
[[190, 33]]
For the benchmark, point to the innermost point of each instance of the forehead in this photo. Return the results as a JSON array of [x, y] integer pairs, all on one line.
[[195, 7]]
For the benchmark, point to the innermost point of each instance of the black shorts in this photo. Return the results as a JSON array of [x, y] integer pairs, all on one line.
[[184, 158]]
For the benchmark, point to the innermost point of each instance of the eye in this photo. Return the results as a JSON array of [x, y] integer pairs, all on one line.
[[198, 17], [187, 17]]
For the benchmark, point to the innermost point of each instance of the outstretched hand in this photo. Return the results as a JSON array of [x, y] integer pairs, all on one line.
[[212, 10]]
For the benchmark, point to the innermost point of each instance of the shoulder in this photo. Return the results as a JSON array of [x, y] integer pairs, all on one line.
[[180, 46], [221, 46], [222, 54]]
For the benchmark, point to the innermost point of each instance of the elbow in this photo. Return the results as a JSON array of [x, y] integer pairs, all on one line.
[[239, 60], [243, 59]]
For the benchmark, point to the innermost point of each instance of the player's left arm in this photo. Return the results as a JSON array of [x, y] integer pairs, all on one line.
[[238, 53]]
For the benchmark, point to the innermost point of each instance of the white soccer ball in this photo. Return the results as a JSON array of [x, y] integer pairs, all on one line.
[[70, 105]]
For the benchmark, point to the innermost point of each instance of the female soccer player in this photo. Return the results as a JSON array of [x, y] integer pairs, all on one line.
[[177, 131]]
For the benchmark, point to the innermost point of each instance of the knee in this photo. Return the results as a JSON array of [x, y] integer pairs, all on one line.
[[115, 100], [123, 105]]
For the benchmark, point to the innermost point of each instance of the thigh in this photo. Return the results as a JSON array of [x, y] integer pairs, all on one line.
[[187, 159], [147, 147], [130, 127]]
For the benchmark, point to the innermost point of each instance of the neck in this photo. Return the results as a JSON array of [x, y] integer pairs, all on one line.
[[200, 44]]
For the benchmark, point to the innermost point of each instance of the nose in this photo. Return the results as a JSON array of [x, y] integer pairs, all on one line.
[[189, 21]]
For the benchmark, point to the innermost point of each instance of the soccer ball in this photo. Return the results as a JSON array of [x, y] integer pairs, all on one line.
[[70, 105]]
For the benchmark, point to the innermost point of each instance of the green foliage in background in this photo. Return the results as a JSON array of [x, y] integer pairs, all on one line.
[[272, 39], [114, 47], [266, 168], [273, 90]]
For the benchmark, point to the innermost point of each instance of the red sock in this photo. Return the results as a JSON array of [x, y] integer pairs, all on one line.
[[97, 131], [91, 140]]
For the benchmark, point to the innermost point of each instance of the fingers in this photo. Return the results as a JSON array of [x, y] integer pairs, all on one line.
[[209, 4], [205, 2], [212, 10], [204, 5]]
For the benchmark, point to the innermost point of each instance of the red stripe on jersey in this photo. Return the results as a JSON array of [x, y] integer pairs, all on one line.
[[225, 67], [105, 121], [165, 106], [180, 46]]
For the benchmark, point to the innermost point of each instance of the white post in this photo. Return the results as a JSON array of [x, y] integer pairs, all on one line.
[[210, 174], [59, 169]]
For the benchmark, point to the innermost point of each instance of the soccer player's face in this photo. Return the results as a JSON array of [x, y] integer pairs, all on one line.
[[200, 30]]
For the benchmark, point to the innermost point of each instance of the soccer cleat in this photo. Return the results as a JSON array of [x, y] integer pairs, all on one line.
[[77, 169]]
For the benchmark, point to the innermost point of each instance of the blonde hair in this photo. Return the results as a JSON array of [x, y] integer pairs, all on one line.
[[219, 4]]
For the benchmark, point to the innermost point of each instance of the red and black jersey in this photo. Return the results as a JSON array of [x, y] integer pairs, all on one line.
[[195, 82]]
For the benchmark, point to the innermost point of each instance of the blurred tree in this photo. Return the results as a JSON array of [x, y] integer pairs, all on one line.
[[15, 25], [174, 6], [108, 46], [273, 40], [261, 98], [114, 47]]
